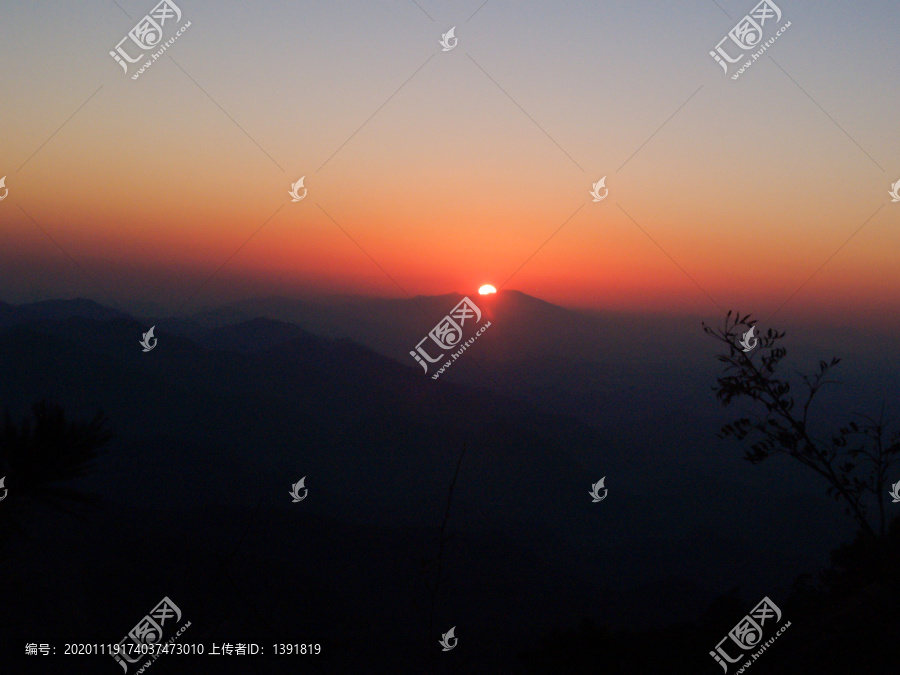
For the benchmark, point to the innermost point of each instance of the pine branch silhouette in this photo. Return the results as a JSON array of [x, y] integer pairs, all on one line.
[[47, 449]]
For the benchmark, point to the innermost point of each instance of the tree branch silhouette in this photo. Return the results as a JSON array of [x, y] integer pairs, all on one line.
[[434, 588], [442, 539], [851, 471], [48, 449]]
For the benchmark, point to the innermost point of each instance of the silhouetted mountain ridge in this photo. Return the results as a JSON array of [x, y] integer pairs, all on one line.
[[56, 310]]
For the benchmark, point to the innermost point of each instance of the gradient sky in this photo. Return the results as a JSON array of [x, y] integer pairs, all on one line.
[[469, 167]]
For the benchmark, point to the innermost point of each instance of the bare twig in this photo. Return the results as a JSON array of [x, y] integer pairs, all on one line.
[[442, 539]]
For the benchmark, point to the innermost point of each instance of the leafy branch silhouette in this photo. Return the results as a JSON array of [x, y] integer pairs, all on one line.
[[856, 459]]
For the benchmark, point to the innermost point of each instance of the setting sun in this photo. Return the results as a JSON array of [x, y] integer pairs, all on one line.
[[487, 288]]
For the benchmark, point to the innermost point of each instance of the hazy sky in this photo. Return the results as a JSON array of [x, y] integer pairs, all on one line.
[[452, 169]]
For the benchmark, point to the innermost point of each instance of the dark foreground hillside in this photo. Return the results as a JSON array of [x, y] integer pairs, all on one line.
[[190, 500]]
